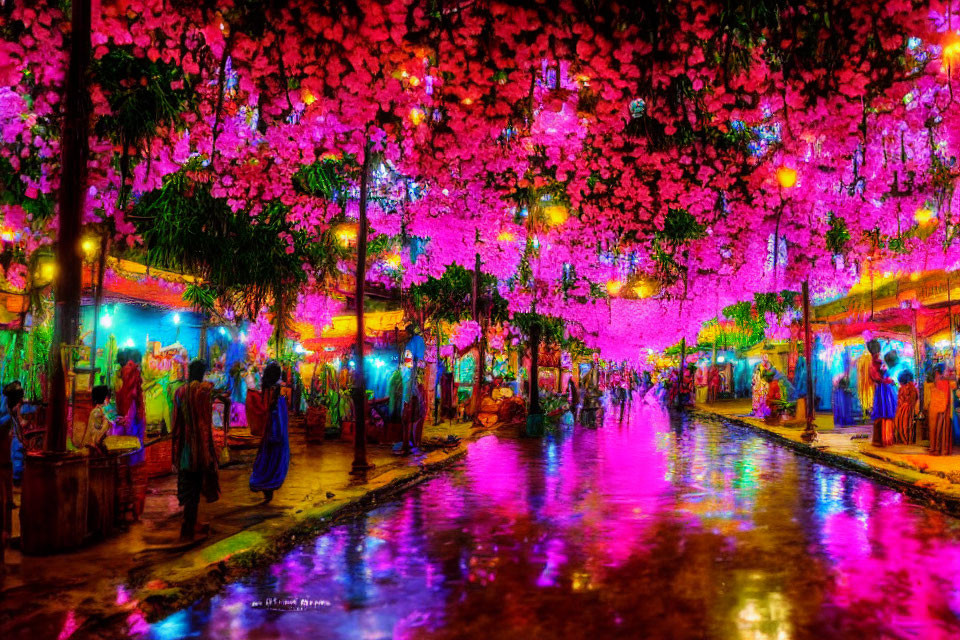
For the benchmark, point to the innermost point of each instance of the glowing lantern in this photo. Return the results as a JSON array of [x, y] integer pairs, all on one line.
[[614, 287], [923, 215], [556, 214], [392, 261], [951, 50], [307, 97], [506, 236], [48, 270], [417, 116], [6, 235], [467, 101], [346, 234], [414, 81], [914, 276], [787, 177]]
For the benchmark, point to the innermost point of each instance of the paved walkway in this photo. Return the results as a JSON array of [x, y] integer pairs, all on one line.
[[936, 478], [144, 571]]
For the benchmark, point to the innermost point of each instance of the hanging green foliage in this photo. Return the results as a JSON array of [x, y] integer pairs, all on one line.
[[247, 262]]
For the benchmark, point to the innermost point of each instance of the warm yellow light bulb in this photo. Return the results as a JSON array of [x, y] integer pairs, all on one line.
[[787, 177], [556, 214], [923, 215], [506, 236], [392, 261], [614, 287], [417, 116]]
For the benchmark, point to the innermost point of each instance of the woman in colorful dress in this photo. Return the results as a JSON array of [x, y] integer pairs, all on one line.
[[941, 431], [273, 456], [842, 402], [700, 380], [906, 409], [760, 388], [884, 397]]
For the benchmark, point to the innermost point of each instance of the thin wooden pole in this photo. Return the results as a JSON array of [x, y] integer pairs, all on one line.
[[681, 369], [97, 304], [360, 463], [919, 370], [810, 430]]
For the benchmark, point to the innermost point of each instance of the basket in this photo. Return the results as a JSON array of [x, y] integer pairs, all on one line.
[[159, 458]]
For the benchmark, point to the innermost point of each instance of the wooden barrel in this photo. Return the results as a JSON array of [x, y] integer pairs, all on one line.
[[53, 512], [102, 500]]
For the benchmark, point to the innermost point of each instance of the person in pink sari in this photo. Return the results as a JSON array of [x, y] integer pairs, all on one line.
[[130, 409]]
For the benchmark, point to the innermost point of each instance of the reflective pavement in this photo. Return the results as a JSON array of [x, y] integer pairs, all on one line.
[[663, 526]]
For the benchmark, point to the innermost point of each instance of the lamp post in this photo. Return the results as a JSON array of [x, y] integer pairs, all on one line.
[[360, 464], [810, 429]]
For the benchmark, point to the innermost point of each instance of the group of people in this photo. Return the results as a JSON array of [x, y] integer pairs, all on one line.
[[194, 452]]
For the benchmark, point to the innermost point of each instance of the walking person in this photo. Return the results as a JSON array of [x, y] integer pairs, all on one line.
[[194, 453], [273, 456]]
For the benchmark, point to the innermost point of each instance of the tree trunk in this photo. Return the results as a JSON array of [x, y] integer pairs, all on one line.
[[73, 160], [360, 464], [534, 368]]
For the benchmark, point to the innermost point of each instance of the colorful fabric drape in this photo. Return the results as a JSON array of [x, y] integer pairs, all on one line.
[[257, 412], [130, 406], [906, 407], [193, 449]]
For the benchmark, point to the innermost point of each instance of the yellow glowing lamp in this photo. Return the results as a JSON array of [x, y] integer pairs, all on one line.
[[89, 247], [307, 97], [914, 276], [414, 81], [417, 117], [556, 214], [923, 215], [951, 50], [467, 101], [6, 234], [392, 261], [48, 270], [787, 177], [614, 287], [346, 233], [506, 236]]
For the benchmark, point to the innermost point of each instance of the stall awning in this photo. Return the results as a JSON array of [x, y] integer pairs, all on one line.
[[343, 329], [895, 324]]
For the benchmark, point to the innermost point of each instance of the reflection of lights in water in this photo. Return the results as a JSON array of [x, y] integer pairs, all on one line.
[[552, 465], [174, 626], [762, 612], [69, 626]]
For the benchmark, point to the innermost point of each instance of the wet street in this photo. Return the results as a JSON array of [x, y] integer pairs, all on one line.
[[659, 527]]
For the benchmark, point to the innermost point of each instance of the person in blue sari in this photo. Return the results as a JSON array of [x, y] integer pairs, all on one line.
[[273, 456], [842, 402]]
